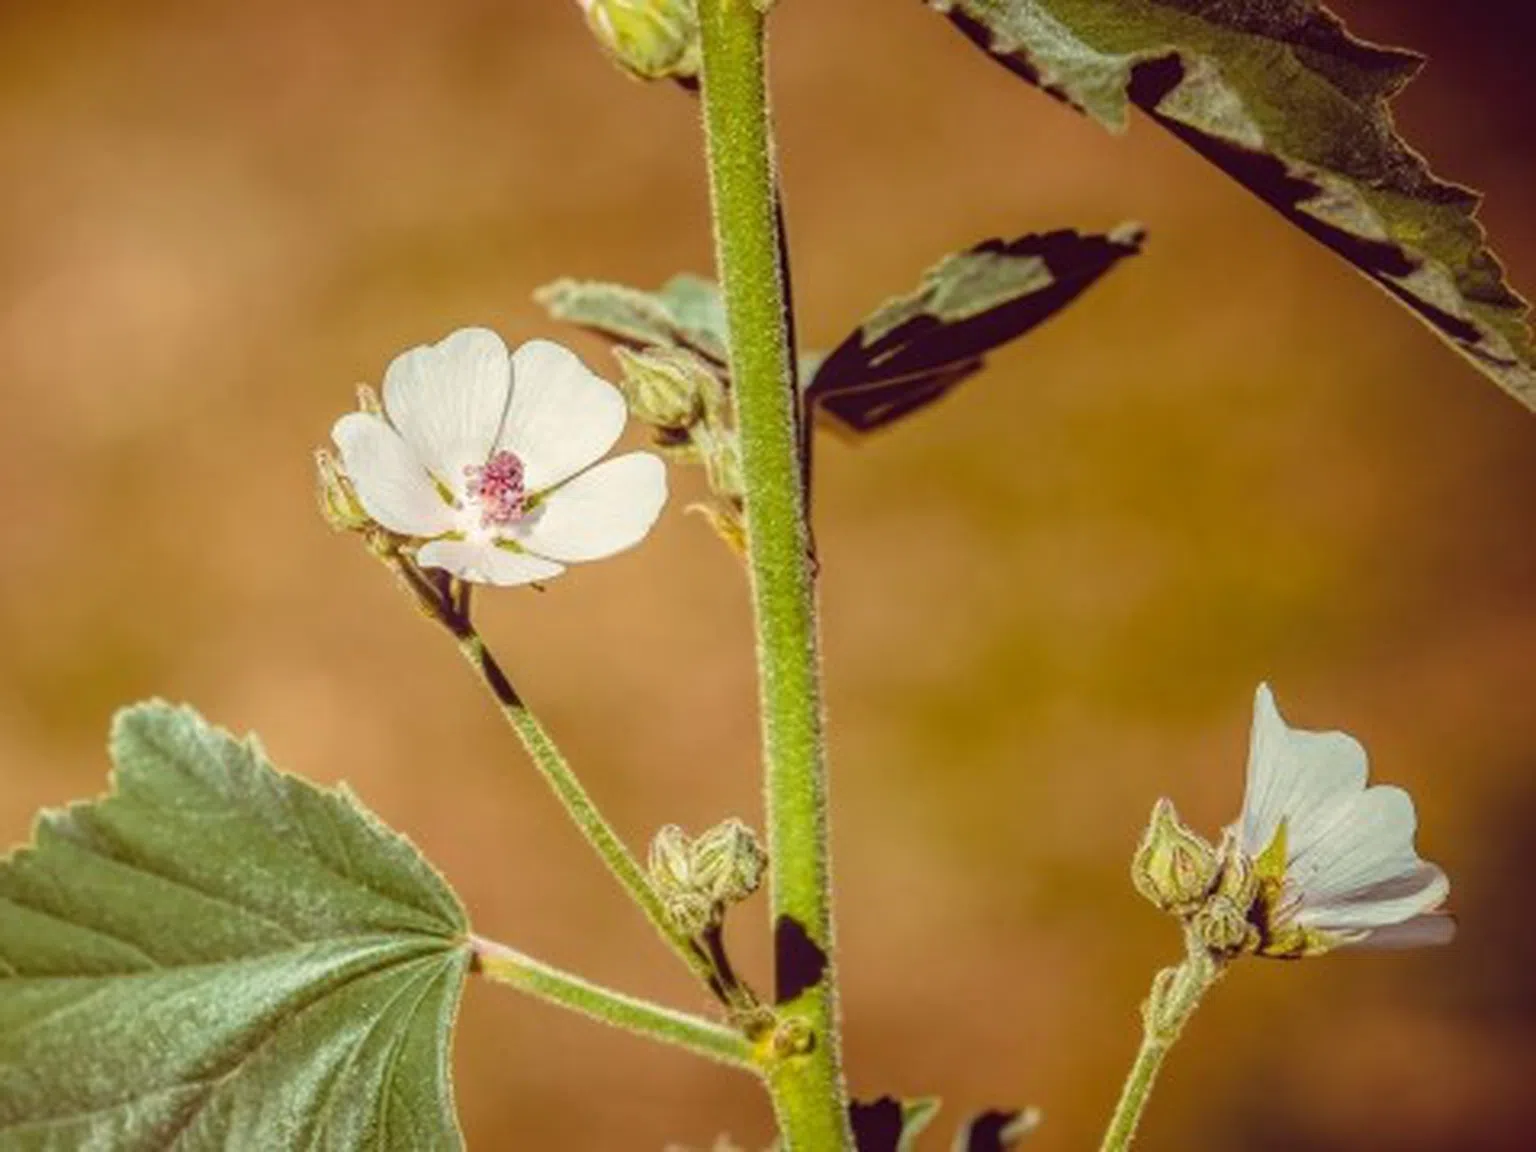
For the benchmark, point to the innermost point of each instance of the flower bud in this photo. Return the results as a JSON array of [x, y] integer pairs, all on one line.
[[1223, 928], [721, 453], [728, 862], [670, 869], [666, 387], [338, 499], [697, 879], [1174, 867], [1239, 880], [650, 39]]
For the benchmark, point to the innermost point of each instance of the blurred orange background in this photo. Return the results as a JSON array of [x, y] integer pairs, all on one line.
[[1047, 601]]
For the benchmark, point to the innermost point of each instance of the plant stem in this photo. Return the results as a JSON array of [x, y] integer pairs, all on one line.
[[503, 965], [1176, 993], [807, 1080], [448, 605]]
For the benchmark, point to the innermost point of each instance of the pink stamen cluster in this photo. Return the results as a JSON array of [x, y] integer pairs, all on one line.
[[497, 486]]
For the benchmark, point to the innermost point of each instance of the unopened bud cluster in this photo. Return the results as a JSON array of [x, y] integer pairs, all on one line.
[[1214, 891], [697, 879]]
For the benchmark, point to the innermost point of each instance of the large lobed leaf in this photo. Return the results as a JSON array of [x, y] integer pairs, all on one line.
[[1281, 97], [218, 955]]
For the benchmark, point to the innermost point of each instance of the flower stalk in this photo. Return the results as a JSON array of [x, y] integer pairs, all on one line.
[[1176, 993], [503, 965], [447, 602], [807, 1081]]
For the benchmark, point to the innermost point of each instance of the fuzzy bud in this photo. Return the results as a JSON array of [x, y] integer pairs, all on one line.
[[666, 387], [650, 39], [698, 879], [337, 498], [1174, 867], [728, 862]]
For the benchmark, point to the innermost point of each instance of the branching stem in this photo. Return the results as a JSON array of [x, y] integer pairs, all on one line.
[[447, 603]]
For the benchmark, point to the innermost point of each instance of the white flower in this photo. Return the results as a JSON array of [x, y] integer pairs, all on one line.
[[1334, 860], [489, 459]]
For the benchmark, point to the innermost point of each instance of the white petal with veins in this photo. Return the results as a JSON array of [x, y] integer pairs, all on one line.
[[1412, 892], [1370, 842], [562, 417], [448, 400], [391, 484], [485, 563], [1295, 774], [602, 511]]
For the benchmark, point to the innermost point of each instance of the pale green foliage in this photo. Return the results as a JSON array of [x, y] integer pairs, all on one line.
[[218, 955], [687, 311], [1287, 102], [910, 351]]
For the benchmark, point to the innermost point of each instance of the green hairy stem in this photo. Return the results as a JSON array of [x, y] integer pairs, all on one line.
[[449, 607], [1176, 993], [806, 1078], [503, 965]]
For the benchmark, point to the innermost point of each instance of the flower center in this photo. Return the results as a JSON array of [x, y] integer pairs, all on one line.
[[497, 488]]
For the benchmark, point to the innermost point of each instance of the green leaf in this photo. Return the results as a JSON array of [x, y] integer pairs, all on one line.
[[912, 351], [688, 312], [917, 347], [218, 955], [1284, 100]]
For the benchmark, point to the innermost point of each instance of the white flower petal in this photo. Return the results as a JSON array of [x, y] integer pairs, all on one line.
[[448, 400], [602, 511], [1420, 932], [485, 563], [562, 417], [1418, 889], [1362, 840], [1294, 775], [391, 484]]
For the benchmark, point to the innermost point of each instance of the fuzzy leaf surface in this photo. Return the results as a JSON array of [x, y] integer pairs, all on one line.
[[687, 311], [1281, 97], [219, 955]]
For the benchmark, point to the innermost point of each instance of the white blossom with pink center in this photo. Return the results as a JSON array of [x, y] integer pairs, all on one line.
[[491, 460]]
